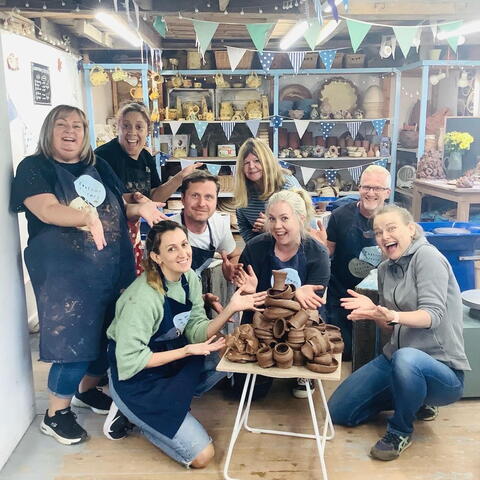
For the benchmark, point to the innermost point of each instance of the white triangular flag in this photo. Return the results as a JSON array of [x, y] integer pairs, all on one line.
[[174, 125], [186, 163], [234, 56], [307, 174], [355, 173], [301, 126], [228, 128], [253, 126]]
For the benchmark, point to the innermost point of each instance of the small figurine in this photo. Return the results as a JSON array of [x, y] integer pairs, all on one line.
[[385, 146], [359, 114]]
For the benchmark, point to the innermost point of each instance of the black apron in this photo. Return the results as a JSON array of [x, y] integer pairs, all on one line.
[[161, 396], [75, 284], [201, 258]]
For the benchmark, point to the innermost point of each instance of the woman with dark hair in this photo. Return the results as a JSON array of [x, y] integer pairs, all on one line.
[[136, 167], [79, 258], [158, 343], [422, 367]]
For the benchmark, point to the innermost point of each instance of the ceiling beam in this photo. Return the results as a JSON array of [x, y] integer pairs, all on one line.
[[87, 30]]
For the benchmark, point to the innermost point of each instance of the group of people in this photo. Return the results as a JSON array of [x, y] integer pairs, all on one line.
[[103, 303]]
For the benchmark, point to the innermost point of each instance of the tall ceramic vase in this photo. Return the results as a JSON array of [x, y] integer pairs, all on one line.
[[454, 167]]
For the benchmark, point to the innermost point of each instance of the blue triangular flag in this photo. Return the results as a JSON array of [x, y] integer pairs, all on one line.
[[296, 59], [200, 127], [266, 59], [228, 128], [382, 162], [355, 173], [253, 126], [276, 121], [331, 176], [162, 158], [326, 128], [213, 168], [327, 57], [378, 125]]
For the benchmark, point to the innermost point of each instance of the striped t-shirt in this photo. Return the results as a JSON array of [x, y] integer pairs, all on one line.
[[246, 216]]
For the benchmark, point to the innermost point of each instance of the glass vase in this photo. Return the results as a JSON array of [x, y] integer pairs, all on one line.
[[454, 167]]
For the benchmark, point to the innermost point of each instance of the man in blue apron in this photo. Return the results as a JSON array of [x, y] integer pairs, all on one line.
[[208, 231]]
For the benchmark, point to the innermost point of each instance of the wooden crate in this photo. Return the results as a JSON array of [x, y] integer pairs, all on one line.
[[222, 62]]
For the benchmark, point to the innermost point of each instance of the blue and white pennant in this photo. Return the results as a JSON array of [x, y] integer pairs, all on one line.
[[296, 59], [228, 128], [326, 128], [353, 128], [331, 175], [378, 125], [276, 121], [266, 59], [355, 173], [327, 57]]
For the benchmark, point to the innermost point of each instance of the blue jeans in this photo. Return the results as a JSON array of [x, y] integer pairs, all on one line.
[[403, 384]]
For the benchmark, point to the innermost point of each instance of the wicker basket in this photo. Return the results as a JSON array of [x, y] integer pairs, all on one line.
[[226, 183], [222, 62], [354, 60]]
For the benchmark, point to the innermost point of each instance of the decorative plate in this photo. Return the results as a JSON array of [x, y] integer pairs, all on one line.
[[338, 93], [295, 92]]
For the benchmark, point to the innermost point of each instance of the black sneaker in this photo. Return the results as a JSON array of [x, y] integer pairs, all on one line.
[[427, 413], [300, 389], [94, 399], [390, 446], [63, 427], [116, 425]]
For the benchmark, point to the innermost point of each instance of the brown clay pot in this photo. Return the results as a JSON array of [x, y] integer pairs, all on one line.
[[287, 293], [279, 328], [295, 346], [252, 345], [283, 355], [338, 346], [280, 302], [298, 358], [319, 344], [296, 336], [234, 356], [317, 368], [313, 315], [259, 321], [307, 351], [272, 313], [279, 278], [324, 359], [265, 357], [299, 319]]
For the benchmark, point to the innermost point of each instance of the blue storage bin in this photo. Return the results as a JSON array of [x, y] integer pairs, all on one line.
[[454, 246]]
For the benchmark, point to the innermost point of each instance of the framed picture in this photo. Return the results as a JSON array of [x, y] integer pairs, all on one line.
[[175, 145]]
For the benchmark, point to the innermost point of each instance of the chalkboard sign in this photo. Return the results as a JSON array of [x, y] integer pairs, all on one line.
[[42, 94], [472, 126]]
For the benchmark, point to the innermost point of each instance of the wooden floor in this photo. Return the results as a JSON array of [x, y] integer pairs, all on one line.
[[445, 449]]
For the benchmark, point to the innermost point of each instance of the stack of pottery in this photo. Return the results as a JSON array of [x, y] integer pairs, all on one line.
[[373, 102], [286, 334]]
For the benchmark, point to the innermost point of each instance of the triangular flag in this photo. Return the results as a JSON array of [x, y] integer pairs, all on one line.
[[325, 128], [233, 168], [378, 125], [307, 174], [174, 125], [161, 158], [312, 34], [200, 127], [450, 27], [331, 175], [213, 168], [276, 121], [228, 128], [353, 128], [266, 59], [160, 26], [186, 163], [327, 57], [357, 31], [259, 32], [253, 126], [405, 37], [284, 164], [234, 56], [204, 32], [296, 59], [301, 126], [382, 162], [355, 173]]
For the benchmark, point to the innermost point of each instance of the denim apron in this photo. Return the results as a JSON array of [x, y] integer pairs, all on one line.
[[161, 396], [201, 258], [75, 284]]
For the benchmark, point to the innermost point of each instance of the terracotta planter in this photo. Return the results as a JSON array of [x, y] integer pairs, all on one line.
[[283, 355]]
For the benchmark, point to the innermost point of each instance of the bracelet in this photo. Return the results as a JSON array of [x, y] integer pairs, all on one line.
[[396, 318]]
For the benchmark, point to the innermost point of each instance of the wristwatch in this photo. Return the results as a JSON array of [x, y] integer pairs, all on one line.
[[396, 318]]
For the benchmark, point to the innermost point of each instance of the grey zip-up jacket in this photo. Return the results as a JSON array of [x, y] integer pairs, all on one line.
[[422, 279]]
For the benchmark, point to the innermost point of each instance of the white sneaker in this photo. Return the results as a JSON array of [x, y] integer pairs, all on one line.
[[300, 390]]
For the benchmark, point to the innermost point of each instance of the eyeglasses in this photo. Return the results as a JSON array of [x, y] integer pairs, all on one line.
[[367, 188]]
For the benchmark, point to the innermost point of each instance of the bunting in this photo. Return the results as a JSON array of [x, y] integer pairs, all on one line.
[[301, 126], [204, 32], [327, 57], [259, 33], [353, 128], [357, 31], [378, 125], [161, 158], [276, 121], [213, 168], [331, 176], [234, 56], [296, 59], [200, 127], [266, 60], [382, 162], [326, 128], [307, 174], [355, 173], [160, 26], [450, 27], [253, 126], [405, 37], [185, 163], [175, 125], [312, 33], [233, 169], [228, 128]]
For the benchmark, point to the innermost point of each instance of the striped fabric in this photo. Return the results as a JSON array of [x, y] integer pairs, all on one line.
[[246, 216], [296, 59]]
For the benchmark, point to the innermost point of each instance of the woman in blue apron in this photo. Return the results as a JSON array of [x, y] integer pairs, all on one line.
[[79, 258], [158, 340], [288, 247]]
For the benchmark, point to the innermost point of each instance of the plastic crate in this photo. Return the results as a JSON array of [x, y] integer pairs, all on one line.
[[454, 246]]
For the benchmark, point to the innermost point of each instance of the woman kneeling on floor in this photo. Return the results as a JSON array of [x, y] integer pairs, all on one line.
[[158, 343], [424, 362]]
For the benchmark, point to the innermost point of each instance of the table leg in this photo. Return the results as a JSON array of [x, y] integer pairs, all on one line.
[[237, 426], [463, 211], [416, 204]]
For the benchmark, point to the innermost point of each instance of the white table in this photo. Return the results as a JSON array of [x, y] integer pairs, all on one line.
[[252, 370]]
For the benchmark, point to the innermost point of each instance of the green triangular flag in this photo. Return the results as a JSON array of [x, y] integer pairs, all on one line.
[[312, 33], [259, 32], [160, 26], [357, 31], [405, 37], [452, 41], [204, 31]]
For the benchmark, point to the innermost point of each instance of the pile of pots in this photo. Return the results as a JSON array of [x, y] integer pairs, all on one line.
[[284, 334]]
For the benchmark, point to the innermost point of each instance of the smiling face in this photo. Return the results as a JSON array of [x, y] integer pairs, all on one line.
[[174, 254], [199, 201], [252, 168], [283, 224], [68, 135], [392, 234], [374, 190], [132, 133]]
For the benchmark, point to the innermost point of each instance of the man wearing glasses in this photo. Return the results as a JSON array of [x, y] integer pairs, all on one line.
[[350, 243]]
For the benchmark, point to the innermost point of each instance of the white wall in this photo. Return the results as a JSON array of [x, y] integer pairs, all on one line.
[[24, 119]]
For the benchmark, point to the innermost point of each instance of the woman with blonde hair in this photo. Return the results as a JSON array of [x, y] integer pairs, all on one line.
[[287, 246], [258, 176]]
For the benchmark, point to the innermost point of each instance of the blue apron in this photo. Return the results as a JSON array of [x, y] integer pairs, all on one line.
[[161, 396], [201, 258], [75, 284]]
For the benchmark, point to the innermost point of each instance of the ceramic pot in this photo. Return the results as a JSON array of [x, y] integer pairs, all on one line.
[[286, 293], [283, 355], [265, 357], [298, 358], [279, 302], [279, 328], [272, 313], [296, 336], [317, 368], [454, 167], [299, 319], [279, 278]]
